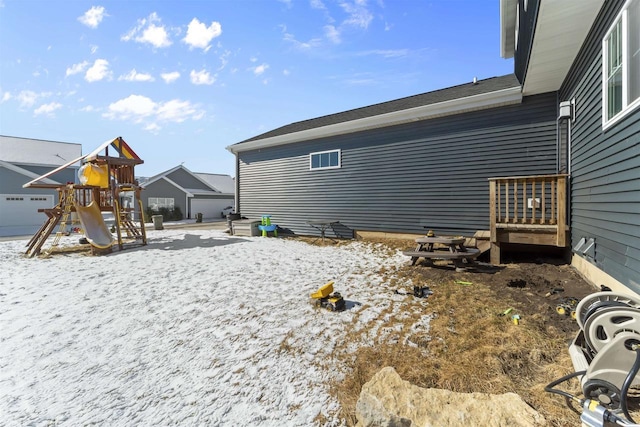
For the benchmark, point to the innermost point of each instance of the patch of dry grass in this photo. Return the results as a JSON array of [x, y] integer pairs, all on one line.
[[470, 348]]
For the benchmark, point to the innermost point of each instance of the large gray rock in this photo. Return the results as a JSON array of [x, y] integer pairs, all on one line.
[[388, 401]]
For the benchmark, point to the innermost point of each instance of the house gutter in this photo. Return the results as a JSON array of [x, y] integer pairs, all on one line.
[[446, 108], [237, 207]]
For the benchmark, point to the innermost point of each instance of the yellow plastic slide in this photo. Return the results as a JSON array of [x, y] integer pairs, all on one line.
[[95, 230]]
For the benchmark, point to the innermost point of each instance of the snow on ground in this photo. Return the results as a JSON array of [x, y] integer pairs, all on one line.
[[196, 328]]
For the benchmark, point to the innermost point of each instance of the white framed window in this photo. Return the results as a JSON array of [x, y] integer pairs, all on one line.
[[621, 65], [325, 160], [156, 203]]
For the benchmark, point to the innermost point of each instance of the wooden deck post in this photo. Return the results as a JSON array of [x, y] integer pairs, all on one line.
[[562, 211], [495, 246]]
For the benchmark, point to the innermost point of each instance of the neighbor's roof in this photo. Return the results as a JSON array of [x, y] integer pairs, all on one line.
[[216, 182], [25, 172], [487, 93], [27, 151], [222, 183]]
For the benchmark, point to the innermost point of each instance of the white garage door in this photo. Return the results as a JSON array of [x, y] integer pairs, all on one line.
[[209, 208], [22, 209]]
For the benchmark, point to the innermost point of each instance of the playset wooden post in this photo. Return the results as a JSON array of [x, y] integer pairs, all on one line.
[[106, 181]]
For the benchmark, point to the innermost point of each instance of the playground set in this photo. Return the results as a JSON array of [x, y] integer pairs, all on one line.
[[107, 184]]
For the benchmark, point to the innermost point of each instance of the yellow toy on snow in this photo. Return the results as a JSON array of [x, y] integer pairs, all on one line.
[[325, 297]]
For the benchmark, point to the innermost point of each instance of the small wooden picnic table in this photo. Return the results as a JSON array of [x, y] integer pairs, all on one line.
[[450, 248]]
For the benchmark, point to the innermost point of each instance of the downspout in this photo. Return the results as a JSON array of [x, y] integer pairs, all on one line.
[[237, 204], [186, 197]]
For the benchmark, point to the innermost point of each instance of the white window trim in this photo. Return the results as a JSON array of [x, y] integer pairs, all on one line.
[[626, 108], [149, 203], [325, 167]]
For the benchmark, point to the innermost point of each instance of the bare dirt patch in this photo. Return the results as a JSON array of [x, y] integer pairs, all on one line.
[[473, 343]]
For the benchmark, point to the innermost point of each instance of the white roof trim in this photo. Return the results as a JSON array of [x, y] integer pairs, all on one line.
[[455, 106], [508, 28], [25, 172], [200, 192], [561, 29], [170, 171], [159, 176]]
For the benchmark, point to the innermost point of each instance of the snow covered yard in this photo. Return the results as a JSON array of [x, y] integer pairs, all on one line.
[[197, 328]]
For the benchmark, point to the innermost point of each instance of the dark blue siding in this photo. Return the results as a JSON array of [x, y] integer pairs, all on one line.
[[431, 173], [605, 195]]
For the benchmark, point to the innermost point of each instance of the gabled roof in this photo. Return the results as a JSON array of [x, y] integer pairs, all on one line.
[[222, 183], [25, 172], [487, 93], [209, 180], [38, 152], [161, 175]]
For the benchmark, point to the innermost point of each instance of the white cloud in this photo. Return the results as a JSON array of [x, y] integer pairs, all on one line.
[[47, 109], [260, 69], [332, 33], [286, 72], [224, 59], [156, 36], [200, 36], [178, 111], [359, 15], [27, 98], [88, 109], [134, 107], [170, 77], [93, 16], [201, 77], [141, 109], [6, 96], [317, 4], [134, 76], [388, 53], [290, 38], [153, 128], [148, 32], [98, 71], [77, 68], [94, 49]]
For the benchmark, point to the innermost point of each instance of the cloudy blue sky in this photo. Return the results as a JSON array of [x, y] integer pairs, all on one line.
[[181, 80]]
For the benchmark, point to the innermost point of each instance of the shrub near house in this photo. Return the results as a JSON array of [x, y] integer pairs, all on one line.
[[174, 214]]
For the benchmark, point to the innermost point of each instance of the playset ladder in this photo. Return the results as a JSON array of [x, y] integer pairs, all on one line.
[[38, 239], [69, 198], [127, 220]]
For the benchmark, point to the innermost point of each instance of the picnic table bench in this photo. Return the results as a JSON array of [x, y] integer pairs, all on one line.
[[451, 248]]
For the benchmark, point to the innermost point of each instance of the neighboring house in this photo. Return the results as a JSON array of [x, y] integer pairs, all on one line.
[[22, 160], [205, 193], [425, 160]]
